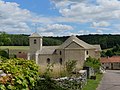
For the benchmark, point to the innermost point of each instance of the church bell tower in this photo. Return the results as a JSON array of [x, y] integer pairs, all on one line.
[[35, 44]]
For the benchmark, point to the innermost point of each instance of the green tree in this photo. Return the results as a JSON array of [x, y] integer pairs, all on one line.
[[109, 53], [3, 53], [4, 39], [103, 54], [93, 62], [70, 66]]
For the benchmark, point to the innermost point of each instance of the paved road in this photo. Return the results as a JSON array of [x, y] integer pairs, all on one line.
[[110, 80]]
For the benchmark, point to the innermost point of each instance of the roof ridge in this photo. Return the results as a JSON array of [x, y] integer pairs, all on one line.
[[77, 40], [35, 34]]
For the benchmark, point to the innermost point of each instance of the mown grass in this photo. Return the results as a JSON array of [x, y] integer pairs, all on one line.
[[15, 47], [93, 84]]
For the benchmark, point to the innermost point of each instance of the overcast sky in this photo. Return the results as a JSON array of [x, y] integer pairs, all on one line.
[[60, 17]]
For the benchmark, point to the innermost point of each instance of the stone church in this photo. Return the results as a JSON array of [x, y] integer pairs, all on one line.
[[72, 49]]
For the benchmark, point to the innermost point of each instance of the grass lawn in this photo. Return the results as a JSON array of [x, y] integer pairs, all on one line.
[[93, 84], [15, 47]]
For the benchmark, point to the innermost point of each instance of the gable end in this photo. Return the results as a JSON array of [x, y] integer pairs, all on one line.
[[74, 45]]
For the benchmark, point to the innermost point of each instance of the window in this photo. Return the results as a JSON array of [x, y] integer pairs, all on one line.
[[60, 53], [55, 52], [48, 60], [87, 52], [60, 61], [35, 41]]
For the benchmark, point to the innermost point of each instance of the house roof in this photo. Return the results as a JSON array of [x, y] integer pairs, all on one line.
[[97, 47], [79, 42], [47, 49], [35, 35], [22, 55], [110, 59], [51, 49]]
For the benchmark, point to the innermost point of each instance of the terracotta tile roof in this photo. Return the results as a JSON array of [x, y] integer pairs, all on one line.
[[110, 59]]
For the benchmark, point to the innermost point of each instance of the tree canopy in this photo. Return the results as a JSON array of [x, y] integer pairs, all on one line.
[[93, 62], [105, 40], [115, 51]]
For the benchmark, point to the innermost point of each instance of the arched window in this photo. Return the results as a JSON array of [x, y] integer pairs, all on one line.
[[55, 52], [35, 41], [60, 53], [60, 61], [87, 52], [48, 60]]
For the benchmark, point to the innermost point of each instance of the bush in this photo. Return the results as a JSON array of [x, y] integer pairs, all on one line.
[[20, 74], [3, 53], [93, 62], [70, 66], [45, 82]]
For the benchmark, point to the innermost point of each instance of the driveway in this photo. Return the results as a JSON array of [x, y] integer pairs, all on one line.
[[110, 80]]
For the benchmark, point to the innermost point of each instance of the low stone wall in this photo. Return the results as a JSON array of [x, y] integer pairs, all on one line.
[[69, 83], [73, 83]]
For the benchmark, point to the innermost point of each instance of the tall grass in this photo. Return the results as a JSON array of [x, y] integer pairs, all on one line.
[[57, 70]]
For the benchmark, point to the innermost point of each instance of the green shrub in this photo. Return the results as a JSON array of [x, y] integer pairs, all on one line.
[[3, 53], [70, 66], [21, 74], [93, 62], [45, 82]]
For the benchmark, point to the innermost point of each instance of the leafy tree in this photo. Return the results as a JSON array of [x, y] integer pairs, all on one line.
[[3, 53], [70, 66], [4, 39], [47, 41], [109, 53], [105, 40], [103, 54], [115, 49], [93, 62]]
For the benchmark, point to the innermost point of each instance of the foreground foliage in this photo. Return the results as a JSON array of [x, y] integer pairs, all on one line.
[[63, 84], [20, 74], [47, 84]]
